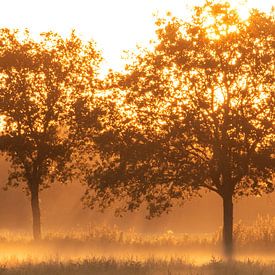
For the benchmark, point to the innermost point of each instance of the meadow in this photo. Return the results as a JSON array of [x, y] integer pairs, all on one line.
[[106, 266], [109, 250]]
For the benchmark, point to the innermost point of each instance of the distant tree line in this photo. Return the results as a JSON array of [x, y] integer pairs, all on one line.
[[193, 112]]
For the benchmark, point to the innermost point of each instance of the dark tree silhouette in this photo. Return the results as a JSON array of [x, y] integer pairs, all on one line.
[[41, 84], [195, 112]]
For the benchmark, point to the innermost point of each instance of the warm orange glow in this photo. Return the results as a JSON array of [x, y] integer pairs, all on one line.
[[2, 123], [114, 25]]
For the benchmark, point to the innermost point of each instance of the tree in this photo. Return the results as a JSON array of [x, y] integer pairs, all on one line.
[[196, 112], [41, 85]]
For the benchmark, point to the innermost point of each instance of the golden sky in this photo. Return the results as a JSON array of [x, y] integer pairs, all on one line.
[[115, 25]]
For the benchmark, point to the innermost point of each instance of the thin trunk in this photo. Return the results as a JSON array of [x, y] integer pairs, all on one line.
[[228, 226], [36, 212]]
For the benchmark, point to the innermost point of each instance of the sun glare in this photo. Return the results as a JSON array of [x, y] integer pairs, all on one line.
[[114, 25], [219, 95], [2, 123]]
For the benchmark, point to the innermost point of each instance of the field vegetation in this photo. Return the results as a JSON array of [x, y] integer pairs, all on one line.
[[100, 266], [108, 250]]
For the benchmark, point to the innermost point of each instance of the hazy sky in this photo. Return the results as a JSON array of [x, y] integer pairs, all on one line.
[[115, 25]]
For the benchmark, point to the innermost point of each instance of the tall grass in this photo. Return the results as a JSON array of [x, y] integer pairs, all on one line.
[[259, 235], [109, 250], [109, 266]]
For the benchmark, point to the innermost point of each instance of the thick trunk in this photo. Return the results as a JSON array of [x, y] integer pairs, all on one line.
[[36, 212], [228, 226]]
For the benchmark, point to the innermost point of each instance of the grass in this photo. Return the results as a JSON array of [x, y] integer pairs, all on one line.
[[108, 250], [259, 235], [100, 266]]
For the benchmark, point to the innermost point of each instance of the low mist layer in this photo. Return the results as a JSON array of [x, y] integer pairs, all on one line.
[[62, 210]]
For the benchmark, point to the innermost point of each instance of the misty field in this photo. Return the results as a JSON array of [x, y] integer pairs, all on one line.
[[106, 266], [106, 250]]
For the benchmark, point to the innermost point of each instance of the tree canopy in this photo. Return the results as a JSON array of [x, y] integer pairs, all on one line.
[[42, 83], [196, 112]]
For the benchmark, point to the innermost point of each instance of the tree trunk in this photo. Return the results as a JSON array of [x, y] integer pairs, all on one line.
[[36, 222], [228, 226]]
